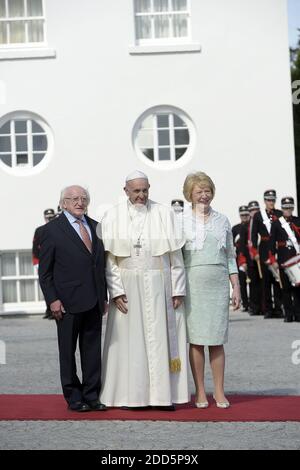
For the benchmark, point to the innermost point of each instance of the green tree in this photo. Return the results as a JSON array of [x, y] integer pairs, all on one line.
[[295, 73]]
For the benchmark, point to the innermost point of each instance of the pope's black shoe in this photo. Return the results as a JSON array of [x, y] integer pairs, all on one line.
[[79, 406], [96, 405], [164, 408]]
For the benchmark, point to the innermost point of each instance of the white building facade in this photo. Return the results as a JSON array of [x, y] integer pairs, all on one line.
[[90, 91]]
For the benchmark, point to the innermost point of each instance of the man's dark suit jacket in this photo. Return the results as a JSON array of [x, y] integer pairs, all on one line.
[[68, 271]]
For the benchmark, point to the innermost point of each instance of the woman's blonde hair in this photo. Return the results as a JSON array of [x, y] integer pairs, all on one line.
[[199, 178]]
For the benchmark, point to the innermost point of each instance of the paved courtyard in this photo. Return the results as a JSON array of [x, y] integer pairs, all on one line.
[[259, 360]]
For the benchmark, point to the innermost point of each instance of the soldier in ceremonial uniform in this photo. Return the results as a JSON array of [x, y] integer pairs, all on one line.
[[247, 261], [241, 262], [285, 239], [261, 228], [49, 214]]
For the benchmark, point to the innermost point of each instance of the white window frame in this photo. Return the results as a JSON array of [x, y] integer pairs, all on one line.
[[29, 169], [171, 40], [27, 50], [172, 163], [35, 305], [26, 19]]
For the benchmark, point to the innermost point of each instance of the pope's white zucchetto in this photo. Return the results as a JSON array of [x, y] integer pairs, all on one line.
[[136, 175]]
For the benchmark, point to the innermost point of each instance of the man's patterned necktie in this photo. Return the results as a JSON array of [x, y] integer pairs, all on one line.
[[84, 235]]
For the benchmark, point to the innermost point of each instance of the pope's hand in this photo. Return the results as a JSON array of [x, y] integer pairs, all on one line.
[[120, 303], [177, 301]]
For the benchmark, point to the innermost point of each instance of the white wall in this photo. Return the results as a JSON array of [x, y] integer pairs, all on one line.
[[236, 90]]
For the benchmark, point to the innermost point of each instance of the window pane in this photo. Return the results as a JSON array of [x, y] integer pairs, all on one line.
[[5, 129], [17, 32], [21, 127], [5, 144], [161, 5], [34, 8], [8, 264], [6, 159], [9, 291], [142, 6], [21, 143], [161, 26], [22, 159], [149, 153], [148, 122], [27, 291], [164, 154], [143, 27], [36, 128], [36, 31], [39, 142], [26, 267], [163, 138], [2, 9], [179, 153], [3, 33], [179, 5], [145, 138], [162, 120], [37, 158], [182, 137], [178, 122], [180, 26], [15, 8]]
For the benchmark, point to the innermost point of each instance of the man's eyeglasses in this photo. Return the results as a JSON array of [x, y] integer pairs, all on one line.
[[74, 200]]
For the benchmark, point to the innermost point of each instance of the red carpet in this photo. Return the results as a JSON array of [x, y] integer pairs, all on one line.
[[244, 408]]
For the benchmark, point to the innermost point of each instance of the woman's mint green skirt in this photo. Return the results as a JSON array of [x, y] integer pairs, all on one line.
[[207, 304]]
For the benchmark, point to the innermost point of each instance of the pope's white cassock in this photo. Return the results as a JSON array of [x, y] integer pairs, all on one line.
[[145, 350]]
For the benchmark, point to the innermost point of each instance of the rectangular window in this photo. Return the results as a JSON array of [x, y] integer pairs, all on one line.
[[162, 21], [22, 22], [19, 280]]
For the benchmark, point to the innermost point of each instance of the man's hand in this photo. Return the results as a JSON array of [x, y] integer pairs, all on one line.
[[121, 302], [57, 309], [257, 258], [245, 267], [177, 301], [275, 266]]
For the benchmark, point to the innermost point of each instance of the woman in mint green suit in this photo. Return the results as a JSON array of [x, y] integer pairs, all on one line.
[[210, 265]]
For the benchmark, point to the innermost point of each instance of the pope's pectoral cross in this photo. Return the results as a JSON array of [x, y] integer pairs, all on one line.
[[137, 247]]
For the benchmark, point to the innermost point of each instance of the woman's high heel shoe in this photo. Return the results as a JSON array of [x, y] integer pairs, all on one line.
[[202, 404], [222, 404]]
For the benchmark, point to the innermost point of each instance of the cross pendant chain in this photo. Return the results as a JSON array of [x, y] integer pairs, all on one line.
[[137, 247]]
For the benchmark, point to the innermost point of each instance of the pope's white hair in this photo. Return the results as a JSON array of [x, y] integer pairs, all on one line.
[[67, 188]]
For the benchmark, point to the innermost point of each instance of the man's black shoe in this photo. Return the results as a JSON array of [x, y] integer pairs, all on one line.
[[96, 405], [79, 406]]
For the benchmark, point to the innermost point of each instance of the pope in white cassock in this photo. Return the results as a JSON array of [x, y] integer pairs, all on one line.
[[145, 351]]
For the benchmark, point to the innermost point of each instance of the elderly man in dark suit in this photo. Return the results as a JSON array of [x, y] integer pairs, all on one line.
[[72, 278]]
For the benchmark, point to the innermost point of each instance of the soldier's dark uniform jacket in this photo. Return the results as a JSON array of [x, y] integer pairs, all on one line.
[[280, 243], [259, 228]]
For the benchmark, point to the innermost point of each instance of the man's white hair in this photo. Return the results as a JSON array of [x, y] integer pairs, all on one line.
[[67, 188]]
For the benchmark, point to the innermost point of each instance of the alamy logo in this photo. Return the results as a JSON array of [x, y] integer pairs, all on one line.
[[2, 352], [296, 353]]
